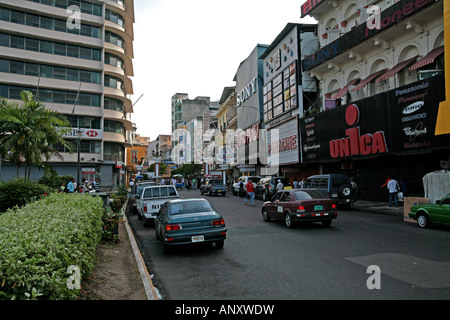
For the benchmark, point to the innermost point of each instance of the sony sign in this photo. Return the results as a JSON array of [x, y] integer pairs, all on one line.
[[246, 92]]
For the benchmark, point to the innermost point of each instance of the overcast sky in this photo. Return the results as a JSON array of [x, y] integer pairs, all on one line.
[[195, 47]]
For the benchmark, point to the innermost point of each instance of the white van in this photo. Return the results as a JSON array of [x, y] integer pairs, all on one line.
[[151, 198]]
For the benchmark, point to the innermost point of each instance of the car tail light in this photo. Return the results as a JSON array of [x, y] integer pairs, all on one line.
[[301, 209], [145, 207], [172, 227], [218, 222], [333, 206]]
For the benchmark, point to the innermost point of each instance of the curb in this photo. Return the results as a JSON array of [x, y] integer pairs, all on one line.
[[150, 290]]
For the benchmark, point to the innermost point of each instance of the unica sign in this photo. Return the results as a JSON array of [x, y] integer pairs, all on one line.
[[355, 144]]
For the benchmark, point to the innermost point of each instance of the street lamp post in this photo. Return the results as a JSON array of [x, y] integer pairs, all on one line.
[[79, 135]]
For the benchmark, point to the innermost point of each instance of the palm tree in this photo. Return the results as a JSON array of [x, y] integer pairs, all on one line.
[[28, 132]]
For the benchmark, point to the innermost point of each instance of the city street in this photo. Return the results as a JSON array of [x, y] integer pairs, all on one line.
[[267, 261]]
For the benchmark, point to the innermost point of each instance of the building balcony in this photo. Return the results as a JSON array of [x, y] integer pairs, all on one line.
[[399, 18]]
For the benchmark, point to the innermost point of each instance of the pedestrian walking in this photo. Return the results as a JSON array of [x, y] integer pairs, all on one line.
[[241, 189], [280, 186], [250, 192], [70, 186], [302, 183], [295, 183], [393, 189]]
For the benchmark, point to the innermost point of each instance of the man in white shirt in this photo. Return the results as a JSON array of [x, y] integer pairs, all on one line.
[[393, 188], [280, 186]]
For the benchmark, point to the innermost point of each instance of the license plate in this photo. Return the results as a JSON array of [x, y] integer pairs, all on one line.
[[318, 207], [219, 190], [197, 238]]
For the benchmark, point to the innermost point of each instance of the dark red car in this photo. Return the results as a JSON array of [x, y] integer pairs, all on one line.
[[300, 205]]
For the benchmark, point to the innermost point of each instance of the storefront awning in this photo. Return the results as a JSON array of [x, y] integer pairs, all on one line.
[[392, 72], [364, 82], [429, 58], [344, 90]]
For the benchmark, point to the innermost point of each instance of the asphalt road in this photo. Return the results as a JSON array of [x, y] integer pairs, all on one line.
[[267, 261]]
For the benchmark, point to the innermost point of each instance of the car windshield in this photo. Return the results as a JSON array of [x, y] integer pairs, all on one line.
[[215, 181], [254, 179], [307, 194], [190, 207]]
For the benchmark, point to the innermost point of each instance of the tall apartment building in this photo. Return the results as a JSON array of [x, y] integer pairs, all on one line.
[[75, 56]]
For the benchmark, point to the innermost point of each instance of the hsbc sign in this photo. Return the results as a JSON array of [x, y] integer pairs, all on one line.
[[86, 134]]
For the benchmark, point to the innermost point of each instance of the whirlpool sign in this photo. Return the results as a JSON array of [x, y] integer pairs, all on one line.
[[395, 122]]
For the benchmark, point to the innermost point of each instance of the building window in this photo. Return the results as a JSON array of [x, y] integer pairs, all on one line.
[[113, 152], [44, 46], [47, 23], [86, 7], [115, 39], [114, 17], [113, 126], [113, 104], [52, 96]]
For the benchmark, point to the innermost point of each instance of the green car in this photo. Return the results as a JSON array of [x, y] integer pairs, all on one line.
[[426, 214]]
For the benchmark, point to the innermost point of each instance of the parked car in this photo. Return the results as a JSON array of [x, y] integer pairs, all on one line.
[[433, 213], [213, 187], [300, 205], [244, 179], [186, 221], [151, 198], [134, 195], [333, 186], [267, 187]]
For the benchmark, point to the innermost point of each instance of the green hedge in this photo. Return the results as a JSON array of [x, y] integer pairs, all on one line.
[[39, 241], [19, 192]]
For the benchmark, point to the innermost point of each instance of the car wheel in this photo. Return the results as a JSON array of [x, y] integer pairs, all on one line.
[[219, 244], [139, 216], [423, 221], [156, 233], [288, 221], [345, 191], [265, 215], [326, 223], [224, 194]]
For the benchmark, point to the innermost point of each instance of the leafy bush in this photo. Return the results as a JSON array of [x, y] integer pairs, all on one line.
[[39, 241], [55, 182], [18, 192]]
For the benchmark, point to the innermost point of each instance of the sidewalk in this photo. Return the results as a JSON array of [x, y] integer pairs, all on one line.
[[378, 207]]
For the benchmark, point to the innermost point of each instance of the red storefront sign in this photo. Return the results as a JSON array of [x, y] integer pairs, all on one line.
[[355, 144]]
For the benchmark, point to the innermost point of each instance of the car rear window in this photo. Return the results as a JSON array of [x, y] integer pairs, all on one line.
[[336, 182], [186, 207], [307, 194], [158, 192]]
